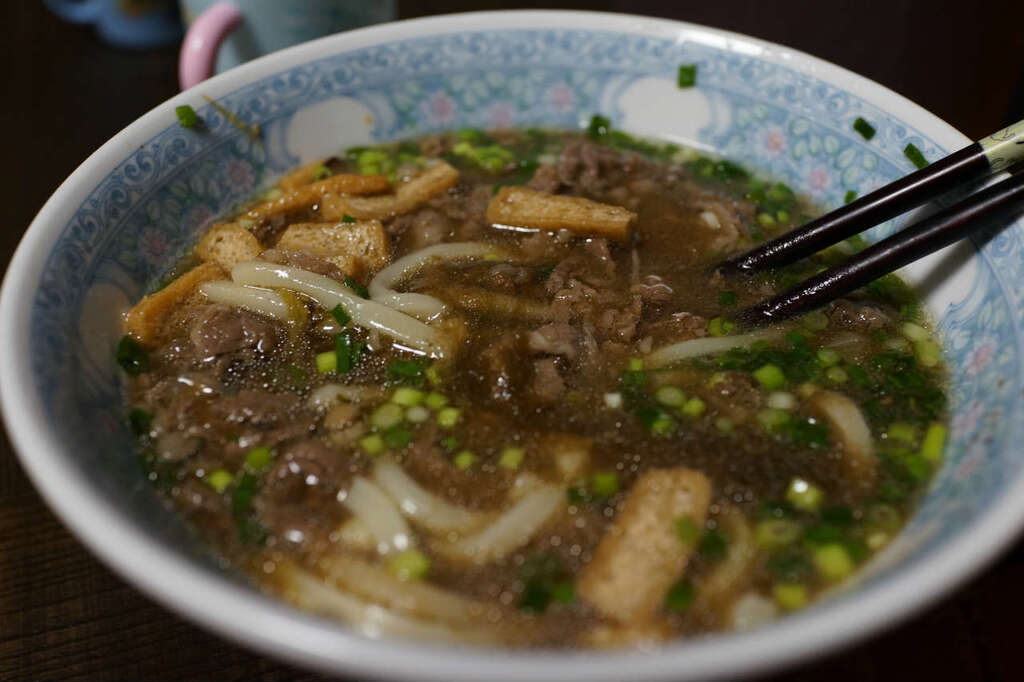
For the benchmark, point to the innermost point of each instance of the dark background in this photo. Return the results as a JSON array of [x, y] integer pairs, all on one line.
[[63, 615]]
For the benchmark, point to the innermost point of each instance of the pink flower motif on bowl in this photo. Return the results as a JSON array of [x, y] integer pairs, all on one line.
[[562, 98], [440, 108]]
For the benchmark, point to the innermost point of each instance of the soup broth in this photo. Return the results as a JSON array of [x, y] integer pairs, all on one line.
[[485, 387]]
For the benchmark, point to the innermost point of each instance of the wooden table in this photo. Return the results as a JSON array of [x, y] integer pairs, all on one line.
[[63, 615]]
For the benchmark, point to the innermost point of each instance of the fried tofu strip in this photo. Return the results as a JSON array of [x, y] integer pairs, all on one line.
[[227, 244], [428, 184], [304, 196], [358, 248], [526, 208], [641, 555], [145, 321], [303, 175]]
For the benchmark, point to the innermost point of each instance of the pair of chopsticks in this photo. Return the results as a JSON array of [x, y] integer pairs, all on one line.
[[1001, 201]]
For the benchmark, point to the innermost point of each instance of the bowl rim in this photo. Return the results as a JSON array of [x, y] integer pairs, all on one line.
[[269, 626]]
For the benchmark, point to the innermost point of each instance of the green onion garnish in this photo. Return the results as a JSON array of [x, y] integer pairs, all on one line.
[[726, 298], [934, 440], [448, 417], [599, 126], [464, 460], [511, 458], [914, 154], [866, 130], [258, 458], [327, 361], [348, 352], [359, 289], [770, 377], [187, 116], [687, 75], [850, 196], [386, 416], [348, 219], [409, 565], [140, 422], [131, 356], [372, 444], [604, 484], [713, 545], [680, 596], [322, 172], [407, 397], [435, 400], [694, 407], [833, 561], [803, 495], [687, 530], [790, 596], [409, 371], [397, 437], [339, 314], [219, 480]]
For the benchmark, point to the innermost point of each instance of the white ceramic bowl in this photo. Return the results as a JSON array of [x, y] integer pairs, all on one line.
[[137, 203]]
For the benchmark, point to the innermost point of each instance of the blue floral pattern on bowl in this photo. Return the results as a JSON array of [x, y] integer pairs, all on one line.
[[779, 121]]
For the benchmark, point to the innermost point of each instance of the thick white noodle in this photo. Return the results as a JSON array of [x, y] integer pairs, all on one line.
[[512, 530], [265, 301], [373, 583], [412, 333], [852, 428], [425, 307], [706, 345], [326, 395], [378, 512], [308, 592], [422, 506]]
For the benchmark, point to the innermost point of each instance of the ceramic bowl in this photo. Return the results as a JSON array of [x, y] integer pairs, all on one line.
[[118, 223]]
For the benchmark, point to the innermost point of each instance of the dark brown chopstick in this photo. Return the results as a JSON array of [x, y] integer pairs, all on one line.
[[1002, 200], [977, 160]]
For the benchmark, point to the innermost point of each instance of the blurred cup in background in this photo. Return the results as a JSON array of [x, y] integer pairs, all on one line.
[[225, 33], [132, 24]]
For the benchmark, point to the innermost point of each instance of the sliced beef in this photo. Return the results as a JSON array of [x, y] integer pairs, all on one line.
[[677, 327], [427, 227], [652, 290], [547, 384], [619, 324], [557, 338], [222, 329], [508, 277], [545, 179], [259, 408]]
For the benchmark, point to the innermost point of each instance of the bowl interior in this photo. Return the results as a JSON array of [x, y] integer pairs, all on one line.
[[136, 207]]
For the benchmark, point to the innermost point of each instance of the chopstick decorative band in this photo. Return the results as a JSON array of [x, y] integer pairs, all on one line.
[[1004, 148]]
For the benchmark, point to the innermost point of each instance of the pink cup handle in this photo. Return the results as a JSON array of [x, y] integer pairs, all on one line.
[[199, 50]]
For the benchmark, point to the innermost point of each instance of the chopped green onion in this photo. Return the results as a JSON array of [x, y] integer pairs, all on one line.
[[563, 593], [187, 116], [604, 484], [219, 480], [914, 154], [450, 443], [833, 561], [326, 361], [409, 565], [245, 490], [934, 440], [464, 460], [726, 298], [780, 400], [635, 364], [687, 76], [902, 431], [140, 422], [776, 533], [771, 419], [680, 596], [346, 218], [914, 332], [359, 289], [866, 130], [671, 396], [770, 377], [257, 459], [815, 321], [372, 444], [724, 424], [417, 414], [339, 314], [511, 458], [435, 400], [765, 219], [599, 126], [782, 216], [713, 545], [407, 397], [322, 172], [348, 352], [804, 495], [928, 352], [448, 417], [849, 196], [694, 407], [131, 356], [790, 596], [386, 416], [828, 357], [719, 326], [397, 437], [836, 374], [687, 530], [410, 371]]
